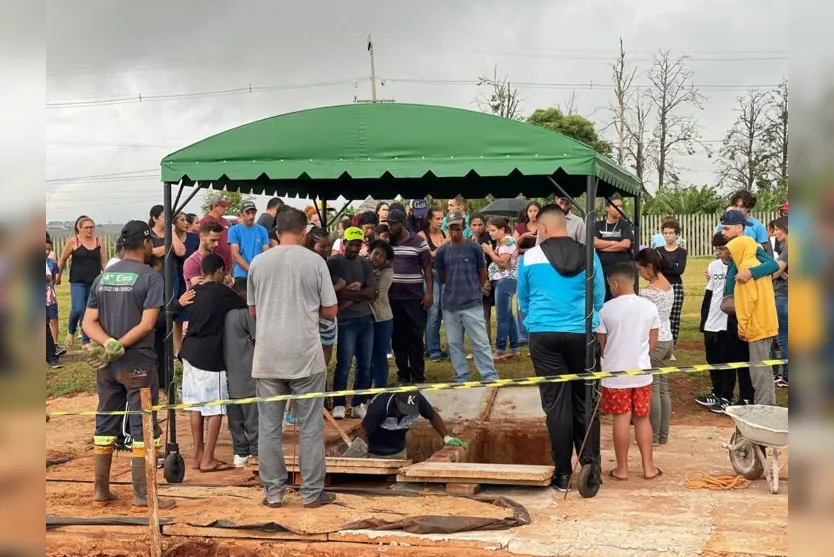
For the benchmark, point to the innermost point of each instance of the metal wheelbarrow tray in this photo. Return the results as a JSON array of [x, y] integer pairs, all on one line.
[[758, 427]]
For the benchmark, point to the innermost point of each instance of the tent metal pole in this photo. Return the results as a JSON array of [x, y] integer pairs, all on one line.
[[197, 187], [177, 200], [341, 212], [635, 246], [561, 190], [590, 340], [625, 218], [168, 275], [323, 213]]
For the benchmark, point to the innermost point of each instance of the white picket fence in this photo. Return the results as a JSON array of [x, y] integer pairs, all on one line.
[[696, 230]]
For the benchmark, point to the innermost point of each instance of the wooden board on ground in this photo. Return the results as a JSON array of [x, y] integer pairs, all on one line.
[[463, 490], [476, 473], [341, 465], [195, 531]]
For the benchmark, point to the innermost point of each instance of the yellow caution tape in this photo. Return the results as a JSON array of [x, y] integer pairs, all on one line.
[[521, 382]]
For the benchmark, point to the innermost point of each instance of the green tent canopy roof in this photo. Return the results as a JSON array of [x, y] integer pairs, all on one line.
[[377, 149]]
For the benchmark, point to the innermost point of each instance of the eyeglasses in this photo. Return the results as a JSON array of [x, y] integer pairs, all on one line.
[[88, 228]]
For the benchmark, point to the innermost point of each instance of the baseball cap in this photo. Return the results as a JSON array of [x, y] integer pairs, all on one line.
[[420, 207], [248, 206], [396, 215], [784, 207], [216, 200], [407, 403], [135, 230], [354, 233], [455, 217], [734, 218]]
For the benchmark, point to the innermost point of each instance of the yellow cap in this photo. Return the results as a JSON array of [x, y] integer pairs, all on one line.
[[354, 233]]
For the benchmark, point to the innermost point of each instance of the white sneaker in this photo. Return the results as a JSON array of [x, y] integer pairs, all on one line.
[[338, 413], [241, 461], [359, 411], [673, 358], [389, 356]]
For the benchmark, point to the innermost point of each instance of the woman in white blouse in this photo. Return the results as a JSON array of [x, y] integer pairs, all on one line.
[[660, 293]]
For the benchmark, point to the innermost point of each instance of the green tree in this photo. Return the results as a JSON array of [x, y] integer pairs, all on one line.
[[233, 197], [685, 200], [571, 125]]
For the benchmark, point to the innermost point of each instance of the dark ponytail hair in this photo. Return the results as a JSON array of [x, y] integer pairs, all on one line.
[[156, 210], [500, 222], [650, 257]]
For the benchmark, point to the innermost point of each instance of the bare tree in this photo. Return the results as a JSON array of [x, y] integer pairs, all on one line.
[[673, 97], [623, 76], [744, 157], [501, 98], [636, 141], [776, 136], [570, 107]]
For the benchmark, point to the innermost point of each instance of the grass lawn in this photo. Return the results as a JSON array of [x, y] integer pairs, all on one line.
[[77, 376]]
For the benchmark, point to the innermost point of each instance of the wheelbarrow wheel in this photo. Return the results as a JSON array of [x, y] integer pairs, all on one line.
[[174, 468], [588, 481], [744, 459]]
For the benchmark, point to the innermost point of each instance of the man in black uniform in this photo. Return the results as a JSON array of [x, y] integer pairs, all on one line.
[[120, 318], [613, 237]]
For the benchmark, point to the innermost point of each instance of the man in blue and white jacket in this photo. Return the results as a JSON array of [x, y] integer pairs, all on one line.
[[551, 296]]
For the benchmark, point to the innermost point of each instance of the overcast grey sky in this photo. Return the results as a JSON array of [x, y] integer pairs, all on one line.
[[313, 54]]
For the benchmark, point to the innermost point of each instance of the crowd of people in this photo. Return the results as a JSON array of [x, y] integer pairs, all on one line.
[[261, 304]]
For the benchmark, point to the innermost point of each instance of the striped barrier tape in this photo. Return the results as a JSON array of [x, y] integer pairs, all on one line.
[[521, 382]]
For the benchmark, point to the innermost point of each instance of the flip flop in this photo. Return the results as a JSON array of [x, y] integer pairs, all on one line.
[[220, 466], [615, 477], [657, 475]]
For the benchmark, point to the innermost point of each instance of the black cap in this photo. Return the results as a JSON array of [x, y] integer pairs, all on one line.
[[135, 230], [248, 206], [396, 215], [407, 403]]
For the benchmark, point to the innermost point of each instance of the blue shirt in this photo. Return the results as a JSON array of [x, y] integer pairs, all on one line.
[[461, 264], [551, 302], [251, 241], [658, 241], [758, 231]]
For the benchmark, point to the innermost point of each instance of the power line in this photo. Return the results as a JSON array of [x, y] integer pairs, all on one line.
[[139, 97], [129, 173], [114, 144], [598, 53], [586, 85]]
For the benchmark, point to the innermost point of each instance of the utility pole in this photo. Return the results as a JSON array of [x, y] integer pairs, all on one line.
[[373, 79]]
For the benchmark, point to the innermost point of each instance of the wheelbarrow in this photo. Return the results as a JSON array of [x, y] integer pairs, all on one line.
[[758, 427]]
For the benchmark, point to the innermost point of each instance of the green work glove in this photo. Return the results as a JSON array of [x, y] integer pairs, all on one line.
[[455, 442], [114, 350], [100, 356]]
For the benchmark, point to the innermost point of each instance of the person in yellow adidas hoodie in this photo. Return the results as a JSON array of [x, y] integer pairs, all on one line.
[[749, 280]]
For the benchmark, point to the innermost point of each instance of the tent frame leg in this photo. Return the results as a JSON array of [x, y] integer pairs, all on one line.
[[171, 446], [590, 213], [565, 194]]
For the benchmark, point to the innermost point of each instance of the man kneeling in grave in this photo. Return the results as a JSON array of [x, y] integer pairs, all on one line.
[[389, 417]]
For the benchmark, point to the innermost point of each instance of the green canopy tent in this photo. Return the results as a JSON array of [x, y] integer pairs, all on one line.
[[383, 149]]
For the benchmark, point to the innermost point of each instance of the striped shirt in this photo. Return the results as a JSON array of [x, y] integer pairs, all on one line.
[[410, 256]]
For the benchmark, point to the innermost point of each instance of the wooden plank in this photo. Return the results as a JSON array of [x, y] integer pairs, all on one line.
[[193, 531], [357, 462], [431, 480], [466, 472], [341, 465], [462, 490], [100, 530]]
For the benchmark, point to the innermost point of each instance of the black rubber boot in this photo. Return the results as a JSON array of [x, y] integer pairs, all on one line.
[[140, 486], [102, 494]]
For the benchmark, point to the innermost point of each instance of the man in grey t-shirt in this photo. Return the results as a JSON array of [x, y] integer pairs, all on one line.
[[289, 286]]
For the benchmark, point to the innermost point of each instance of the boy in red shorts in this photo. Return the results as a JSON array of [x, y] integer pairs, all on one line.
[[627, 333]]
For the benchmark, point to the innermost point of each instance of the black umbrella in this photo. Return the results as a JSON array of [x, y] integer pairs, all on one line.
[[506, 207]]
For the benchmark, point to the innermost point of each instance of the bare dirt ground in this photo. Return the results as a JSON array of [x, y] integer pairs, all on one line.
[[635, 517]]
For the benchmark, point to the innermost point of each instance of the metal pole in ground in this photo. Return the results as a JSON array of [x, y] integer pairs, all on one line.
[[150, 472]]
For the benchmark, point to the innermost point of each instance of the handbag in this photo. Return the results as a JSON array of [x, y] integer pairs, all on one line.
[[728, 305]]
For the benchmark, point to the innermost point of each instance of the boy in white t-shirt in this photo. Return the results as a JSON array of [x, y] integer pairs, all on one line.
[[628, 330]]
